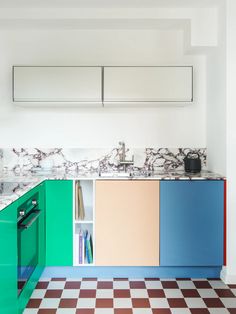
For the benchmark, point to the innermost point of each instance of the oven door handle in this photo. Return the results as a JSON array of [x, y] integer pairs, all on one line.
[[35, 214]]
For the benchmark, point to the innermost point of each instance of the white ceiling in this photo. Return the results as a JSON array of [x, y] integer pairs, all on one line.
[[108, 3]]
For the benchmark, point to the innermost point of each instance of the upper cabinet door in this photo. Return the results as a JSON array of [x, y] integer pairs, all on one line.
[[148, 85], [55, 85]]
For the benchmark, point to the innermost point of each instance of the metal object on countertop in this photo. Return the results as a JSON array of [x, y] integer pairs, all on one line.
[[122, 157]]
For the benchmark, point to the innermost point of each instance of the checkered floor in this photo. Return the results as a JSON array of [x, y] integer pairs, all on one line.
[[127, 296]]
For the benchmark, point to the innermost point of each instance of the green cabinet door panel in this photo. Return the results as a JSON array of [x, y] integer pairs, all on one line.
[[37, 193], [59, 222], [8, 260]]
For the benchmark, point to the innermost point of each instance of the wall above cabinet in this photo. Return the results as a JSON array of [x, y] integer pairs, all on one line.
[[102, 86]]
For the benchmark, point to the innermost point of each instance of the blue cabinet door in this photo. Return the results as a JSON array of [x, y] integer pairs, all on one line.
[[191, 223]]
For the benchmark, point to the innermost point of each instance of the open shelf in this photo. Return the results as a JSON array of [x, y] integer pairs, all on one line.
[[83, 224]]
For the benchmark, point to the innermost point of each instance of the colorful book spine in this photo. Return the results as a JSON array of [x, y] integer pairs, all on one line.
[[89, 249], [81, 240]]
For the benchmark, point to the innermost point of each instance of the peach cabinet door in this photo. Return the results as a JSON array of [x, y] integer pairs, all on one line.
[[127, 223]]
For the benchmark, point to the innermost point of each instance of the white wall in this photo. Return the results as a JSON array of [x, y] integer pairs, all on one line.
[[229, 272], [216, 100], [165, 127]]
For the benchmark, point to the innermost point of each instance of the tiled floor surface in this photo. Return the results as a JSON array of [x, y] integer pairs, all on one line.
[[127, 296]]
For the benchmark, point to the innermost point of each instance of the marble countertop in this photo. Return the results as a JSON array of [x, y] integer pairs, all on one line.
[[13, 186]]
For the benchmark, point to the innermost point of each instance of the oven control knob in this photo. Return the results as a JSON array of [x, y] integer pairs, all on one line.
[[22, 213], [34, 202]]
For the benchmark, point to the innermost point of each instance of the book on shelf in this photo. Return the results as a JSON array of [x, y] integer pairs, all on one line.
[[81, 247], [85, 247], [79, 203]]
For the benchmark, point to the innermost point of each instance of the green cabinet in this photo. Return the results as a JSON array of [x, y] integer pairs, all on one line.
[[59, 223], [8, 260]]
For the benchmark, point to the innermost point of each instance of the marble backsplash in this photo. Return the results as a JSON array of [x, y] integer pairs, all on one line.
[[93, 160]]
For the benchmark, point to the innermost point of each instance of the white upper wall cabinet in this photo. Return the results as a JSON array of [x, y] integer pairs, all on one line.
[[147, 85], [55, 85]]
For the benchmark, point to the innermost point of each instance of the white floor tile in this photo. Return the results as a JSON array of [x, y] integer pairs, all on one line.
[[49, 303], [159, 303], [88, 285], [104, 293], [234, 291], [66, 311], [138, 293], [173, 293], [153, 284], [195, 303], [104, 311], [142, 311], [84, 303], [218, 311], [180, 311], [229, 302], [120, 285], [207, 293], [186, 284], [30, 311], [38, 294], [122, 303], [74, 279], [70, 293], [56, 285], [218, 284]]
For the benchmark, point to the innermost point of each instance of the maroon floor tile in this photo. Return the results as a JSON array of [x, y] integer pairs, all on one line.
[[120, 279], [58, 279], [85, 311], [104, 303], [190, 293], [177, 302], [53, 293], [152, 279], [202, 284], [161, 311], [156, 293], [121, 293], [87, 293], [224, 293], [105, 285], [213, 302], [89, 279], [68, 303], [232, 311], [140, 303], [72, 285], [170, 285], [123, 311], [199, 311], [232, 286], [47, 311], [34, 303], [42, 285], [137, 285]]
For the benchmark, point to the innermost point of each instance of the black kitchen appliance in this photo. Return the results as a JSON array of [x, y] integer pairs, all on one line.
[[192, 162], [28, 240]]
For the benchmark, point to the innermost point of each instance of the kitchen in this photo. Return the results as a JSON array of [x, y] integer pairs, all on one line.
[[77, 145]]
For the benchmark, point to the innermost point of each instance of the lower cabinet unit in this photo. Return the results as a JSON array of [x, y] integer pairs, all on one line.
[[127, 223], [191, 223], [8, 260], [59, 223]]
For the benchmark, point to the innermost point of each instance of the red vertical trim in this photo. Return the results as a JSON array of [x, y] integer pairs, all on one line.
[[225, 221]]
